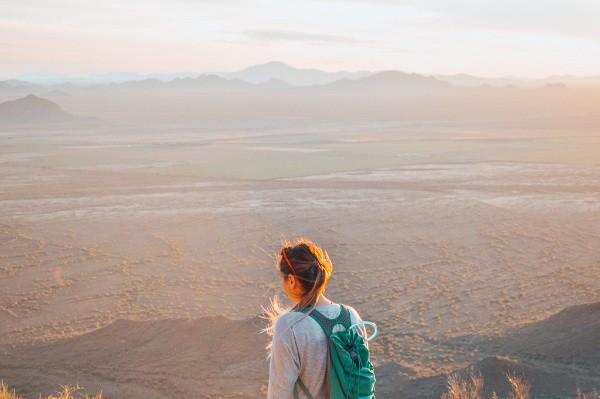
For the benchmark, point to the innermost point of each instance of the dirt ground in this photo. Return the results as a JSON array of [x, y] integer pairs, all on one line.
[[437, 229]]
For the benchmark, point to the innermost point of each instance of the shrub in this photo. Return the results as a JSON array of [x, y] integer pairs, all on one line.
[[459, 388], [464, 389], [583, 395], [66, 392]]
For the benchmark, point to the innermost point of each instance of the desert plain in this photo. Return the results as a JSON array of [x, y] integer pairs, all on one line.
[[138, 248]]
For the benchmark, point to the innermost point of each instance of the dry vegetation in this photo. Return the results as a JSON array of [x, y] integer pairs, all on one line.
[[458, 388], [583, 395], [471, 388], [66, 393]]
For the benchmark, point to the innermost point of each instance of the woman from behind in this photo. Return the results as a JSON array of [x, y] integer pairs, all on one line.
[[299, 346]]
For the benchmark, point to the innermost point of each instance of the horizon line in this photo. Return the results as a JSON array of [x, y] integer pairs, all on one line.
[[58, 75]]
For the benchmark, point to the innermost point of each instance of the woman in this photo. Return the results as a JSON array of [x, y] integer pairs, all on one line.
[[299, 344]]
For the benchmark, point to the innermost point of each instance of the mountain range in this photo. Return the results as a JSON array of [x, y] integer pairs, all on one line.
[[47, 78], [284, 74], [377, 82], [381, 81], [293, 76], [391, 81]]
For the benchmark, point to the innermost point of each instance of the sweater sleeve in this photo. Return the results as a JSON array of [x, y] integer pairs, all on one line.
[[284, 364]]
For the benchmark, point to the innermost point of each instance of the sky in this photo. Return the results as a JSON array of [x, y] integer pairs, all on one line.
[[524, 38]]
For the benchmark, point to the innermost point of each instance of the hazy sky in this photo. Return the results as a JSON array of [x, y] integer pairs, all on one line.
[[488, 38]]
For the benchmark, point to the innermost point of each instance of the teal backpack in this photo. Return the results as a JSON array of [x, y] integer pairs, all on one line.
[[351, 374]]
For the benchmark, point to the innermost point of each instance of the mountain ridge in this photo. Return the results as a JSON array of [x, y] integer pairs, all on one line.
[[168, 356], [301, 77], [261, 73]]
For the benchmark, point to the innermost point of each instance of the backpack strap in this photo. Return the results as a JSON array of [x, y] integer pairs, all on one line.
[[305, 390], [328, 324]]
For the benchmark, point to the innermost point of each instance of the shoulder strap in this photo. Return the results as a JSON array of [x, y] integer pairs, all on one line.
[[305, 390], [328, 324]]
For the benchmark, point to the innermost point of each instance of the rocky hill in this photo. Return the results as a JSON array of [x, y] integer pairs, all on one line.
[[33, 109], [219, 357]]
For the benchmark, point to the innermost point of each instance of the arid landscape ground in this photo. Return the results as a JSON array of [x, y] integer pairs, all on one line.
[[137, 247]]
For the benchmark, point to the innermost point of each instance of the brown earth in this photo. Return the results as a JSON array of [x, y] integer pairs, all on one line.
[[449, 221]]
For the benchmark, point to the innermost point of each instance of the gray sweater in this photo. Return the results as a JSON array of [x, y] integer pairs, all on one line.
[[299, 349]]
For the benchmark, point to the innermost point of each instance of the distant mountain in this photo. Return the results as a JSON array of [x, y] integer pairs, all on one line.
[[33, 109], [573, 80], [16, 86], [391, 81], [203, 83], [294, 76], [214, 83], [146, 84], [560, 86], [46, 78], [182, 83], [120, 77], [57, 93], [274, 84], [379, 82], [462, 79], [6, 87], [262, 73], [66, 86]]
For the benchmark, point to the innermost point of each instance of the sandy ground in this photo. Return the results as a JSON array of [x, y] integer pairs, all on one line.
[[436, 233]]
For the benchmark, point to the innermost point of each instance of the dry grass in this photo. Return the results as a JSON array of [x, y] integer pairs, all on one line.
[[459, 388], [583, 395], [520, 388], [66, 393]]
